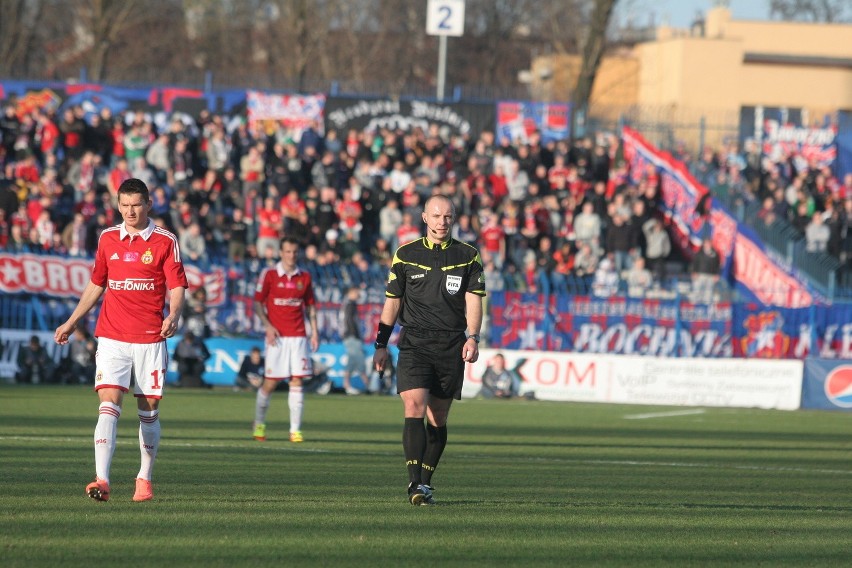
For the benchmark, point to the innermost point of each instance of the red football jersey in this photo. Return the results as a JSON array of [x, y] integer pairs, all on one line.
[[136, 270], [285, 296]]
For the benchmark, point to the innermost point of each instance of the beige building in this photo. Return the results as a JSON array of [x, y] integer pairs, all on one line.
[[708, 73]]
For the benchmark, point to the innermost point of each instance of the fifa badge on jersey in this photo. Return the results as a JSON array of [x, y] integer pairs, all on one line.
[[148, 257], [453, 283]]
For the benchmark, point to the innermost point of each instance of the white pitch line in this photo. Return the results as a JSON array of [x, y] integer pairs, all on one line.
[[543, 459], [665, 414]]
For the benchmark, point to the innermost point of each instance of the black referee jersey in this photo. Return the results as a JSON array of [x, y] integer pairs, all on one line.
[[432, 279]]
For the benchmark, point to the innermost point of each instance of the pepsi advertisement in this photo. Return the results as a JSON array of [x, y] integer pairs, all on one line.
[[827, 385]]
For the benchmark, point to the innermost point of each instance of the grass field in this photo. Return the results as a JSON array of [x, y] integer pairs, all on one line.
[[522, 483]]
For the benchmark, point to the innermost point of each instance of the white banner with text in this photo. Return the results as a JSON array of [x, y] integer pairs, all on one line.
[[619, 379]]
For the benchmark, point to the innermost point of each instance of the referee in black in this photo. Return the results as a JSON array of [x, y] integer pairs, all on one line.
[[435, 289]]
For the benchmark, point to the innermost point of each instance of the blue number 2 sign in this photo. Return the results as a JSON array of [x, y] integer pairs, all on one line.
[[445, 17]]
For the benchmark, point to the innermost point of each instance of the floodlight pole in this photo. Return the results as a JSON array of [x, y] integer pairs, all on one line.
[[442, 65]]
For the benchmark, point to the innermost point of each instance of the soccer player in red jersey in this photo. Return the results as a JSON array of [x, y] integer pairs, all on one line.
[[136, 263], [283, 297]]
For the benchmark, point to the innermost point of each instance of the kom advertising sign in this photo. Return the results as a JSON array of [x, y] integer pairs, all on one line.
[[620, 379]]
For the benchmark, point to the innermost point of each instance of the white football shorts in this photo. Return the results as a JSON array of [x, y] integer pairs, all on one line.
[[118, 361], [289, 358]]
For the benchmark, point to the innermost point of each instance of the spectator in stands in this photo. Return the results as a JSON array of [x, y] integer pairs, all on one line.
[[349, 211], [80, 367], [83, 175], [4, 230], [180, 170], [517, 182], [408, 231], [253, 168], [193, 245], [8, 198], [140, 169], [381, 253], [118, 175], [353, 341], [46, 228], [817, 234], [563, 267], [492, 239], [638, 279], [705, 268], [831, 217], [658, 246], [545, 262], [190, 355], [94, 229], [250, 375], [72, 129], [494, 281], [35, 365], [74, 235], [390, 219], [160, 202], [585, 261], [157, 157], [587, 224], [462, 231], [218, 150], [326, 214], [606, 278], [195, 313], [801, 216], [620, 242], [270, 225], [498, 381], [301, 229]]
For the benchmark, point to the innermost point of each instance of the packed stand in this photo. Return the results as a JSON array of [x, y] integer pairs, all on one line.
[[784, 189], [556, 217]]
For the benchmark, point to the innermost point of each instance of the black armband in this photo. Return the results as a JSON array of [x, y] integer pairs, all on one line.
[[383, 335]]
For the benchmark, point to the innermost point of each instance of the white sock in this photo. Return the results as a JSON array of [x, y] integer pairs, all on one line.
[[261, 405], [296, 400], [149, 441], [105, 434]]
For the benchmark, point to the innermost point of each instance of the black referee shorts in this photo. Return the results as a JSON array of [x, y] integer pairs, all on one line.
[[431, 360]]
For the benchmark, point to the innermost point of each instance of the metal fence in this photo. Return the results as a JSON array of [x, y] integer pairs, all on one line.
[[824, 272], [670, 128]]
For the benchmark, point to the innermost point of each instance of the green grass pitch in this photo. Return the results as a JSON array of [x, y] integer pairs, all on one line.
[[522, 483]]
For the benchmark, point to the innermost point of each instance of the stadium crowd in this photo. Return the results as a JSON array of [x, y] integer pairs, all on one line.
[[548, 217]]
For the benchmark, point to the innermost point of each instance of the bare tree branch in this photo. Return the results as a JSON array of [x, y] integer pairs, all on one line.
[[593, 51], [827, 11]]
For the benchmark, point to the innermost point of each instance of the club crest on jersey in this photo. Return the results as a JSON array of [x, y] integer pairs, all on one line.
[[99, 377], [148, 257], [453, 283]]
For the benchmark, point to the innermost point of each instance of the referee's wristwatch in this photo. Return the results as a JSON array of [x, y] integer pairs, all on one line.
[[474, 336]]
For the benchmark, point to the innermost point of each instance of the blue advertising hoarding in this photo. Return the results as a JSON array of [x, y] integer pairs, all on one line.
[[827, 384]]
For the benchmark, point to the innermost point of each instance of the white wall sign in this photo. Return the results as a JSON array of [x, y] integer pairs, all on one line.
[[625, 379]]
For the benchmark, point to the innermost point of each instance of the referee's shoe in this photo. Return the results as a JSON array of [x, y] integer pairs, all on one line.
[[420, 494]]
